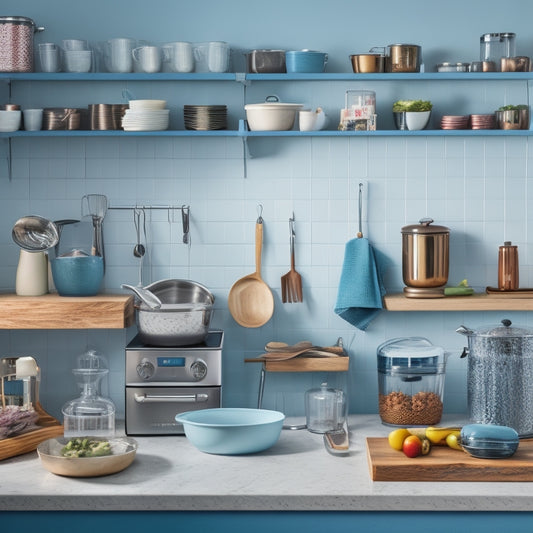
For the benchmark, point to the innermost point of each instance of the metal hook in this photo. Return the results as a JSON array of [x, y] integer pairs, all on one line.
[[185, 223], [259, 214], [360, 233], [291, 226]]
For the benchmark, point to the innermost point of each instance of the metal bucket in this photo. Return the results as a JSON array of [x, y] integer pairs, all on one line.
[[16, 44]]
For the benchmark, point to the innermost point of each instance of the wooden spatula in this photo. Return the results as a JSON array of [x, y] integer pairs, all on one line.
[[291, 283]]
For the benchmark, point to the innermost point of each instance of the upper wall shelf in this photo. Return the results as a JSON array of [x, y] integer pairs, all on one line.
[[240, 76]]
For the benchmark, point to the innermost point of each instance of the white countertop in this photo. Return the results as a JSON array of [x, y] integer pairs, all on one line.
[[296, 474]]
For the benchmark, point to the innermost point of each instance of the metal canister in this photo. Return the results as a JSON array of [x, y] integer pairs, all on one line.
[[403, 58], [425, 254], [16, 44], [508, 267]]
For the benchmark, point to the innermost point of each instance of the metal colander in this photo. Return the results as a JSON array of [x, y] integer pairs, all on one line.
[[500, 376]]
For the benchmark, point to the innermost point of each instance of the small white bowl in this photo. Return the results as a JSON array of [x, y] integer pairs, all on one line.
[[137, 105], [10, 120]]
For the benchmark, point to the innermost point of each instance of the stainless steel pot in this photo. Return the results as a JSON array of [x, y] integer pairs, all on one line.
[[425, 254], [402, 57], [16, 36], [183, 318], [500, 376]]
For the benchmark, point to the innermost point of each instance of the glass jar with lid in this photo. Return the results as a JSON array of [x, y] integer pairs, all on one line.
[[410, 381]]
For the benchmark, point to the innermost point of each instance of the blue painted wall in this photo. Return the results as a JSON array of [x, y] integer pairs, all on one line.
[[479, 187]]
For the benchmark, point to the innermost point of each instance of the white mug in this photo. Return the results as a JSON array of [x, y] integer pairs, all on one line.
[[77, 60], [33, 119], [49, 57], [118, 54], [74, 44], [312, 120], [180, 56], [147, 58], [218, 56]]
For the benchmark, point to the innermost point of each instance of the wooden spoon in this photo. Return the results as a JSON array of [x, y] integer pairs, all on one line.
[[250, 299]]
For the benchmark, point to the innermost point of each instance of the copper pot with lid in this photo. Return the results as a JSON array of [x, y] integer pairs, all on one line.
[[425, 259]]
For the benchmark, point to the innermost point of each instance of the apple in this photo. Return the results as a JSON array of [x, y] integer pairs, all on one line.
[[412, 446]]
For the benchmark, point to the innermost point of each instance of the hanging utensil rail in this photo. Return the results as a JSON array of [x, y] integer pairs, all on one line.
[[185, 214]]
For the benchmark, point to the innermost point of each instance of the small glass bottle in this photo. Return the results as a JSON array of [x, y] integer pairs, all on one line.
[[508, 267]]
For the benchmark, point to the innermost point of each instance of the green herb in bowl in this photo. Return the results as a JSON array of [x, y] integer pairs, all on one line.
[[86, 448], [411, 106]]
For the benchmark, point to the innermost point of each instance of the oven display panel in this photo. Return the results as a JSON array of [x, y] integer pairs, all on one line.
[[171, 362]]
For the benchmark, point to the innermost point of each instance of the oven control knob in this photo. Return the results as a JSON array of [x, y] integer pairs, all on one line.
[[198, 370], [145, 369]]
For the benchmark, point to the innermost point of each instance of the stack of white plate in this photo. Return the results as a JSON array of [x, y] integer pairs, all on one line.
[[145, 120], [146, 115]]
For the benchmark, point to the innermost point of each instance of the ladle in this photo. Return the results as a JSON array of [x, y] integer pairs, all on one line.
[[35, 233], [146, 296], [250, 299]]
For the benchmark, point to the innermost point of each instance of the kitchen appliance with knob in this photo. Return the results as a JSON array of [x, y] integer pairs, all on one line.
[[425, 259], [500, 376], [163, 381]]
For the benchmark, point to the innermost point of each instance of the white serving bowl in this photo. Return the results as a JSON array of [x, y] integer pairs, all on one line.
[[411, 120], [138, 105], [271, 116], [10, 120]]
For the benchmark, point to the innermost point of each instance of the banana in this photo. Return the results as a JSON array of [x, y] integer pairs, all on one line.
[[453, 440], [419, 432], [437, 435]]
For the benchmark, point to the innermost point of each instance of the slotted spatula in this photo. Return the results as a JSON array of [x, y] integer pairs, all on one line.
[[291, 283]]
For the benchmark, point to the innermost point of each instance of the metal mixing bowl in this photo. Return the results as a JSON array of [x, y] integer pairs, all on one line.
[[183, 318]]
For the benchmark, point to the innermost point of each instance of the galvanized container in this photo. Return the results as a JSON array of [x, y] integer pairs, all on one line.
[[500, 376]]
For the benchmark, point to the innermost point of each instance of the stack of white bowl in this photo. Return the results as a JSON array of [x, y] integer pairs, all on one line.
[[146, 115], [10, 120]]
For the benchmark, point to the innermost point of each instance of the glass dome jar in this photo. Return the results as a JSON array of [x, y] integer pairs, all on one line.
[[91, 414]]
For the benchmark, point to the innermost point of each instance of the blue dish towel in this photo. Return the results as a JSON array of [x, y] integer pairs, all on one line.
[[361, 289]]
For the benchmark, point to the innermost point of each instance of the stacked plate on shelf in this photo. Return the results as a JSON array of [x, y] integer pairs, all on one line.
[[483, 122], [454, 122], [146, 120], [106, 116], [205, 117]]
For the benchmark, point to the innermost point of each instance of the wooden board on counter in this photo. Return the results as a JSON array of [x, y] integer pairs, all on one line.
[[474, 302], [444, 464], [51, 311], [27, 442]]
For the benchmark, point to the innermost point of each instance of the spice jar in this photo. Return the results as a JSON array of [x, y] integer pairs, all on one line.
[[410, 381], [508, 267]]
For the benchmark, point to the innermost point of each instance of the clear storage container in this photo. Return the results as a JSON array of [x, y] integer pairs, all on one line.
[[410, 381]]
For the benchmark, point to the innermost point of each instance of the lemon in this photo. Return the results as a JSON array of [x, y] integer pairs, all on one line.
[[396, 438]]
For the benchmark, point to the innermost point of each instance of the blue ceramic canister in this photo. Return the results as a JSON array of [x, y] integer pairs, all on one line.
[[305, 61], [489, 441]]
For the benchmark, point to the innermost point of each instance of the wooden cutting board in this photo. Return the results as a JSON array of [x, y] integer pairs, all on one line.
[[444, 464]]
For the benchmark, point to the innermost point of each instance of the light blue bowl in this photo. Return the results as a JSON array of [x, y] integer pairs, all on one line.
[[305, 61], [78, 275], [232, 431]]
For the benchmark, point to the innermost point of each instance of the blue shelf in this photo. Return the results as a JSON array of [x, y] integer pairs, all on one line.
[[237, 76]]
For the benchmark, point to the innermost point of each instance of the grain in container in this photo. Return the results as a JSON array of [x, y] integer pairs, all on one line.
[[410, 381]]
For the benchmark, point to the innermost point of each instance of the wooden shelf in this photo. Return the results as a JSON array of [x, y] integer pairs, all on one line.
[[305, 364], [476, 302], [51, 311]]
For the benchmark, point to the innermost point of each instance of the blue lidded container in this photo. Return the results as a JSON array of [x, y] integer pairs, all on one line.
[[489, 441], [305, 61]]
